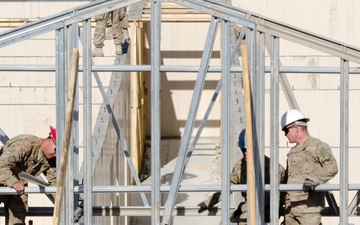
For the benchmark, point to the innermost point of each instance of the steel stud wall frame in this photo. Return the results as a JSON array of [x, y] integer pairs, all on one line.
[[260, 35]]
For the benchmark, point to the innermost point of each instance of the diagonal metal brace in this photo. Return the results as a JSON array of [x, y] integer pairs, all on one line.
[[180, 163]]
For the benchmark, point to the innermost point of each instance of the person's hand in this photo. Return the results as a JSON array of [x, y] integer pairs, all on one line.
[[19, 187], [203, 207], [308, 185]]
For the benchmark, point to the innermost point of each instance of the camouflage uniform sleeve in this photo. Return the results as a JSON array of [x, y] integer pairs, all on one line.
[[282, 179], [235, 174], [50, 175], [328, 165], [10, 157]]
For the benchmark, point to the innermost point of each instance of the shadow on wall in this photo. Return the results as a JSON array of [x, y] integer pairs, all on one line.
[[170, 123]]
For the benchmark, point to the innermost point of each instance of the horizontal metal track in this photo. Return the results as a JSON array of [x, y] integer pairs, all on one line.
[[195, 188], [147, 68], [135, 211], [123, 211]]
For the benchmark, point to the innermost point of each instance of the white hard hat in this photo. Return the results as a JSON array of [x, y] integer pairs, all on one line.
[[293, 115]]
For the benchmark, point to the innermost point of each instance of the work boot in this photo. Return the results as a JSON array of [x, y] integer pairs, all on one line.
[[98, 52], [118, 50]]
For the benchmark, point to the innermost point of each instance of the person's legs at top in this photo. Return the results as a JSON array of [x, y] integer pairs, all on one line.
[[109, 33], [120, 30], [99, 34]]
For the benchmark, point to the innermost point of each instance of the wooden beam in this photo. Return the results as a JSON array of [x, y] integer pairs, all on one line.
[[249, 140], [66, 140]]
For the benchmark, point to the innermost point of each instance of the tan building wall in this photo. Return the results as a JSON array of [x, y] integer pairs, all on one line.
[[27, 104], [331, 18]]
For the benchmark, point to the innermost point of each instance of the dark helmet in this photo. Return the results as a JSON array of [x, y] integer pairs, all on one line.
[[242, 140]]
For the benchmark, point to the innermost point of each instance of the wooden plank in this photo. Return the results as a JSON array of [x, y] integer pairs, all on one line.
[[249, 141], [66, 140]]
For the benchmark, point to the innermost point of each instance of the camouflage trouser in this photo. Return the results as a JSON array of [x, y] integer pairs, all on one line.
[[213, 199], [296, 214], [119, 23], [16, 208], [240, 214]]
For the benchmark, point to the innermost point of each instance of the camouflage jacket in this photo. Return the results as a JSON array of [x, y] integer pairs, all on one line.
[[22, 153], [238, 175], [313, 160]]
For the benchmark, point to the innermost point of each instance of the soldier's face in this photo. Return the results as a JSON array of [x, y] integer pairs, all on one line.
[[244, 155], [290, 132], [50, 151]]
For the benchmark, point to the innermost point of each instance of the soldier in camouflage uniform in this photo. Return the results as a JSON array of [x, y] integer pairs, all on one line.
[[310, 162], [238, 176], [32, 155], [119, 23]]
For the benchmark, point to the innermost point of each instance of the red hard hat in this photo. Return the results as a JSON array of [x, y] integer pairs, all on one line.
[[53, 132]]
